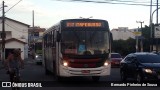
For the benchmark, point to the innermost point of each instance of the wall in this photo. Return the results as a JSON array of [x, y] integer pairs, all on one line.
[[122, 33], [15, 44], [17, 30]]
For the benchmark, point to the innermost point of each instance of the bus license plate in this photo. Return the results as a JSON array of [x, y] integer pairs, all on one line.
[[85, 71]]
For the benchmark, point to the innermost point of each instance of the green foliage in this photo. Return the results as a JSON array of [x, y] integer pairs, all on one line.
[[146, 41], [39, 51], [146, 32], [125, 47]]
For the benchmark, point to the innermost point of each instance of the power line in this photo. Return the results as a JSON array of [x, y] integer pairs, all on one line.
[[15, 28], [111, 2], [127, 1], [13, 6]]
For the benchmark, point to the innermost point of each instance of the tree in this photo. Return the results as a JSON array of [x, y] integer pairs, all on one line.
[[147, 40], [124, 47]]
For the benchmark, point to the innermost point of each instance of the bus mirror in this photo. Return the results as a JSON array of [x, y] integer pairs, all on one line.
[[58, 37]]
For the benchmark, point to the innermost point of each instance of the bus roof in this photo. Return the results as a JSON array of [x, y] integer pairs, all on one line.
[[81, 23], [62, 22], [83, 20]]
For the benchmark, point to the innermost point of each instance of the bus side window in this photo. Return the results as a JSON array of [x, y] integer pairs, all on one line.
[[53, 39], [50, 39], [45, 41], [58, 36]]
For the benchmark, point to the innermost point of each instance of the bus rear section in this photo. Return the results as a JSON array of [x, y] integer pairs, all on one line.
[[81, 50]]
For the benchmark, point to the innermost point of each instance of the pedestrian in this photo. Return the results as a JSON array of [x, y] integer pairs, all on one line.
[[13, 63]]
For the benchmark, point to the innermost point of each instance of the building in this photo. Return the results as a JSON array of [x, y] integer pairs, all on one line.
[[124, 33], [35, 33], [16, 36], [35, 40]]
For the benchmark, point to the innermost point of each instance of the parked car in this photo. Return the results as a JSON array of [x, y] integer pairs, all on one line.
[[155, 52], [140, 66], [116, 58], [38, 58]]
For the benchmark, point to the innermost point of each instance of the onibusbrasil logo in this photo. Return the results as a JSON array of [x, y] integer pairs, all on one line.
[[13, 84]]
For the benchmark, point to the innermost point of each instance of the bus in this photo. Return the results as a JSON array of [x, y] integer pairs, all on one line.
[[77, 47], [38, 50], [36, 47]]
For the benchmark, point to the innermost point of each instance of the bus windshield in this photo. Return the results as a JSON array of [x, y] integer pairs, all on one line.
[[82, 42], [38, 48]]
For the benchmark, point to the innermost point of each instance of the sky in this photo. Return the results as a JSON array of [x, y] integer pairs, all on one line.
[[50, 12]]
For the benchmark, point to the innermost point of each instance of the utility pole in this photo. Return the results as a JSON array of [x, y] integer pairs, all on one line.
[[141, 35], [151, 36], [3, 34], [157, 12], [137, 49], [32, 34], [157, 25], [33, 28]]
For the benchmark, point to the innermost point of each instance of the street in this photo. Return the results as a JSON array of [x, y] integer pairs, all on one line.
[[35, 73]]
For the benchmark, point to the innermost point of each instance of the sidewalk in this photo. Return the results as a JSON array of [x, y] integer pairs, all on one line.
[[1, 65]]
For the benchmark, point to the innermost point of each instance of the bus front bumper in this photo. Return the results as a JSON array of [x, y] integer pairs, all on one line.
[[100, 71]]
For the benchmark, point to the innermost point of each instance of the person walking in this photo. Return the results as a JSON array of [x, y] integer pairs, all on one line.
[[13, 63]]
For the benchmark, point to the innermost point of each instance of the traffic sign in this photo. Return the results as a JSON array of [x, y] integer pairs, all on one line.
[[157, 32], [137, 33]]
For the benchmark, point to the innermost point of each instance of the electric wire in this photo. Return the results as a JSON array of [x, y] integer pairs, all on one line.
[[16, 28], [112, 2]]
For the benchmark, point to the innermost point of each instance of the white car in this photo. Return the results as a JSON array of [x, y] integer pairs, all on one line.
[[38, 58]]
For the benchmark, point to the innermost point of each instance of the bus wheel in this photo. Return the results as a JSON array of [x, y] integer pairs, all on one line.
[[96, 78], [59, 79]]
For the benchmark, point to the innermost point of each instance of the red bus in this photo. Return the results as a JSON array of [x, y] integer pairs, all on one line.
[[77, 47]]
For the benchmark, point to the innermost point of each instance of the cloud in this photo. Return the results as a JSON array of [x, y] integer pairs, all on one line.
[[25, 6], [49, 12]]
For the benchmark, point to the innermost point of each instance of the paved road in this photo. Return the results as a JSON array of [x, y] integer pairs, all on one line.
[[33, 72]]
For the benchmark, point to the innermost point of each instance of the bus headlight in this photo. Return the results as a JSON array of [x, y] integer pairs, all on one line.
[[65, 64], [36, 56], [106, 63]]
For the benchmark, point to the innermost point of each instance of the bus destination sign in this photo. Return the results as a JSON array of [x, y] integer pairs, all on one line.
[[84, 24]]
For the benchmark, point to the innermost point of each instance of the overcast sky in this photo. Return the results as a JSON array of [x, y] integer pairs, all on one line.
[[49, 12]]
